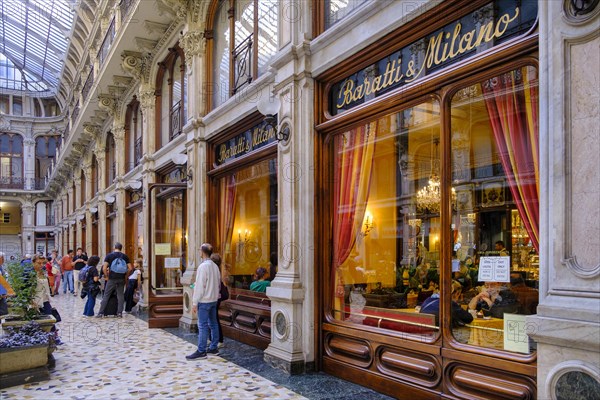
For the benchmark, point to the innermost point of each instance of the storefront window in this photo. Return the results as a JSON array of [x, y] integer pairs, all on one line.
[[386, 237], [495, 219], [247, 222], [170, 243]]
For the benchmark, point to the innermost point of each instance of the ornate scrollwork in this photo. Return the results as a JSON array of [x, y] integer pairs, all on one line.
[[133, 63], [193, 43], [580, 10], [107, 103], [147, 99]]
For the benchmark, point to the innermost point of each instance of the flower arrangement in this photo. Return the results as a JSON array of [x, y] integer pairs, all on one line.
[[22, 278], [30, 334]]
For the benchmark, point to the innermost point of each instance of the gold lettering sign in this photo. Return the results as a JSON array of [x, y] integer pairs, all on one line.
[[440, 49], [244, 143]]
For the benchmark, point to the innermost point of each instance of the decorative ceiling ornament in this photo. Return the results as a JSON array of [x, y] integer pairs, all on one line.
[[108, 104], [429, 197], [133, 63]]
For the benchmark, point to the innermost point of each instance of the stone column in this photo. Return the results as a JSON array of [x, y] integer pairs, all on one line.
[[78, 203], [28, 225], [29, 163], [147, 102], [87, 172], [148, 177], [566, 327], [292, 310]]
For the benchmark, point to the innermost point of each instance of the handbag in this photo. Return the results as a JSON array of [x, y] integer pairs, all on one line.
[[55, 270], [56, 315], [136, 297]]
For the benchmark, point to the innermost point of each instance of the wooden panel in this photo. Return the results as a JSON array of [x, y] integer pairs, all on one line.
[[470, 381], [247, 319], [383, 384], [414, 367], [165, 311], [349, 350]]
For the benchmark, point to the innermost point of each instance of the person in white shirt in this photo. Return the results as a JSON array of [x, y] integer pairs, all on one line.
[[204, 302]]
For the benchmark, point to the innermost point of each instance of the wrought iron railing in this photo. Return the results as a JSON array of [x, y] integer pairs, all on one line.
[[38, 183], [12, 182], [175, 121], [49, 220], [137, 152], [242, 64], [107, 42], [125, 6], [75, 114], [112, 173], [87, 86]]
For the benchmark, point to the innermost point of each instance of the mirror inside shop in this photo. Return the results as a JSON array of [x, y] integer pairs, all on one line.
[[387, 254]]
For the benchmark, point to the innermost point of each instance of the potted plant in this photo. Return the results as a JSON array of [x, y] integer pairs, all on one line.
[[24, 354], [22, 278]]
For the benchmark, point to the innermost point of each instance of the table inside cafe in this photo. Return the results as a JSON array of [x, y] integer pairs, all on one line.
[[487, 332]]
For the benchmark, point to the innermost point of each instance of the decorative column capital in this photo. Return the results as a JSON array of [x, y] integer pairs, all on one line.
[[133, 63], [193, 43], [108, 104]]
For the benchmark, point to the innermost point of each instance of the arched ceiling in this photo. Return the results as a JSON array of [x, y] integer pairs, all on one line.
[[35, 39]]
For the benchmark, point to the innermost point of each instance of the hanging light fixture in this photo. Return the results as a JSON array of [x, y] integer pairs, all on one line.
[[429, 197]]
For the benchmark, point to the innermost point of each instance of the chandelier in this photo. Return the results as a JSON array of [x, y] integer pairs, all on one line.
[[429, 197]]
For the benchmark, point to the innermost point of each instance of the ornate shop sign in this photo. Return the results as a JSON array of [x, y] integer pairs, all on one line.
[[245, 143], [486, 27]]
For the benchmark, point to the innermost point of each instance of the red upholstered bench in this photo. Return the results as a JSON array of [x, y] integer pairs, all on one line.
[[394, 319]]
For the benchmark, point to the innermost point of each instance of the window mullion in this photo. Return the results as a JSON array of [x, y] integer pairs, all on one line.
[[231, 15], [255, 43]]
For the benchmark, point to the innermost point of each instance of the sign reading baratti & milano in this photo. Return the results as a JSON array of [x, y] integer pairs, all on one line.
[[245, 143], [488, 26]]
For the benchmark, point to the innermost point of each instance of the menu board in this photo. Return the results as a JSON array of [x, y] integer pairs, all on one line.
[[494, 269]]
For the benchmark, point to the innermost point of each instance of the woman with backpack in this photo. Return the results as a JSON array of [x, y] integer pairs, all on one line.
[[91, 285]]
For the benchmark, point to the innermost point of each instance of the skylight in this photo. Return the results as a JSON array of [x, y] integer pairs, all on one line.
[[35, 37]]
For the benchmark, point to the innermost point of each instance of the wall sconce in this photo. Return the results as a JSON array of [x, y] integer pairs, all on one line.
[[110, 199], [368, 224], [135, 185], [269, 107], [247, 234], [94, 210], [179, 159]]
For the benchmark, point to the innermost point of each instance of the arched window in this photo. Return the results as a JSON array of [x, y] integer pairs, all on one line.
[[45, 152], [41, 213], [243, 47], [11, 161], [133, 133], [111, 163], [171, 96]]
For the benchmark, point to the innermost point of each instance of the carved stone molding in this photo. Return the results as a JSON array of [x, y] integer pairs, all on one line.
[[133, 63], [108, 104], [118, 132], [192, 43], [147, 99], [155, 28], [122, 81], [580, 11], [91, 130], [4, 124], [177, 8], [145, 44]]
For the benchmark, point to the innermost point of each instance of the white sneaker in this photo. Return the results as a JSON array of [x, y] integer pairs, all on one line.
[[220, 345]]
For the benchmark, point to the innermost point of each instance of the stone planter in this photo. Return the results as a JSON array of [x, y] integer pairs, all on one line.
[[46, 322], [21, 365]]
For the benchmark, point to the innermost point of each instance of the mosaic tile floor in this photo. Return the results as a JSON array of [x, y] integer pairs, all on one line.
[[114, 358]]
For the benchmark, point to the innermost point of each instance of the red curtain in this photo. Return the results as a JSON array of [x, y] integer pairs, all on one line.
[[226, 214], [512, 104], [353, 161]]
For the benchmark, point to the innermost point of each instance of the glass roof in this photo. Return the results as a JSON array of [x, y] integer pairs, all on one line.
[[35, 38]]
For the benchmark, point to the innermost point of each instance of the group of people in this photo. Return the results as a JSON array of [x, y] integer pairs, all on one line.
[[121, 280]]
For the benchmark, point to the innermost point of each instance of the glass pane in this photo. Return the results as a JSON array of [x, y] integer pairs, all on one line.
[[170, 244], [244, 20], [17, 144], [495, 223], [247, 235], [267, 32], [385, 242], [335, 10], [221, 61]]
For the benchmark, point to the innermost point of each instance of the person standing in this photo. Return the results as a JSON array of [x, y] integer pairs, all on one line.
[[116, 267], [501, 249], [204, 302], [91, 285], [57, 276], [223, 295], [66, 269], [133, 283], [5, 289], [50, 275], [79, 261]]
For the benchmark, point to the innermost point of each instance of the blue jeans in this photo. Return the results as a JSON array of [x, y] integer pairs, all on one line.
[[207, 319], [68, 280], [89, 305]]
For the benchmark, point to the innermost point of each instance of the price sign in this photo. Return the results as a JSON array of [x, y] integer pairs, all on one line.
[[494, 269]]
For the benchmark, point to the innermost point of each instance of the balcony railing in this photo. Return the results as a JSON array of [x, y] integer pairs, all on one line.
[[107, 42], [87, 86], [125, 6], [39, 183], [137, 152], [175, 121], [242, 64], [12, 182], [75, 114]]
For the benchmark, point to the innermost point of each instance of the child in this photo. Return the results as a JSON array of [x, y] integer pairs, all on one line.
[[91, 285], [133, 283]]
